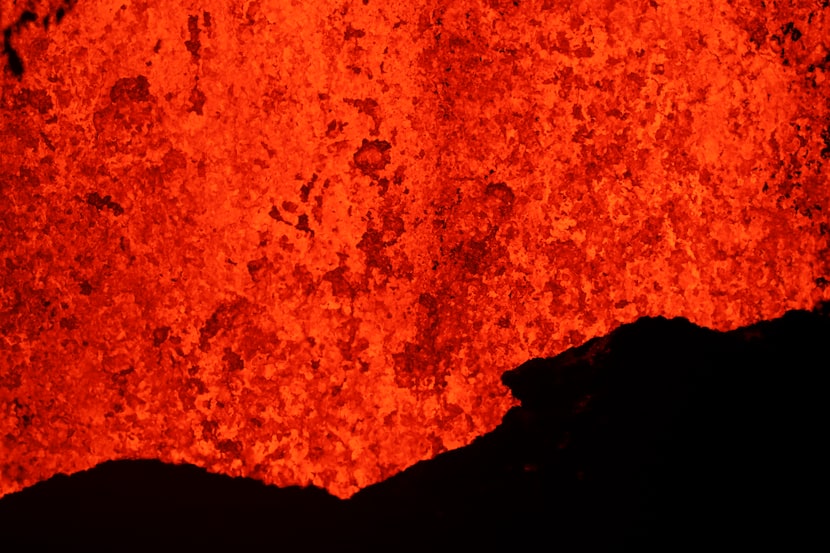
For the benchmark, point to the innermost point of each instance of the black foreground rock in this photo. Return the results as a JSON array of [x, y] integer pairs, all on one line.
[[662, 436]]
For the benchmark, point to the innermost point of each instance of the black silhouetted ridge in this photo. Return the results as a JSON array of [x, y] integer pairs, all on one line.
[[661, 436], [134, 504]]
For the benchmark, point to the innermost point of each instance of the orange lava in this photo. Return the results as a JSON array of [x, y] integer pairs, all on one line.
[[301, 241]]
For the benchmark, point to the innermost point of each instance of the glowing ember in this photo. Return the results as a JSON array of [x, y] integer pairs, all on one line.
[[302, 241]]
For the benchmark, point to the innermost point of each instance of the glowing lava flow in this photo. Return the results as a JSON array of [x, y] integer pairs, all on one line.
[[302, 241]]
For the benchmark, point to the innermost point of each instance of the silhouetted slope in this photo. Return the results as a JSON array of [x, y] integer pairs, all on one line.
[[146, 505], [660, 436]]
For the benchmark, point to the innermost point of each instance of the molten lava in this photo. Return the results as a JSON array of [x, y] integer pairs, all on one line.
[[301, 241]]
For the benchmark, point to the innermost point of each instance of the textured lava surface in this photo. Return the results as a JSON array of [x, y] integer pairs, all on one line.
[[301, 241]]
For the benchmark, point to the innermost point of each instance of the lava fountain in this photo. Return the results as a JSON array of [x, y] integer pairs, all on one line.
[[301, 241]]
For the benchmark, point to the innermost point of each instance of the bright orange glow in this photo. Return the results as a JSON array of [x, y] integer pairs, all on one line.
[[301, 241]]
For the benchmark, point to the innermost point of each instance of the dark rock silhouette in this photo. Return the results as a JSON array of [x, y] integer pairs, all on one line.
[[661, 436], [146, 505]]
